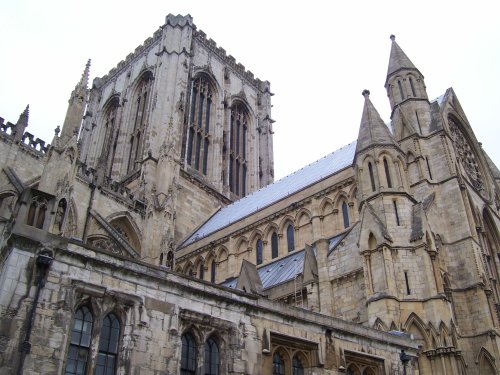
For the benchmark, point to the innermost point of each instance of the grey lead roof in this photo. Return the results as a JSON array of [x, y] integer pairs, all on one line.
[[277, 272], [304, 177]]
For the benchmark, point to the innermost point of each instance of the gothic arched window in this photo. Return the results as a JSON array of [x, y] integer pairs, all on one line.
[[401, 89], [258, 252], [297, 367], [201, 273], [412, 87], [278, 364], [108, 345], [139, 120], [198, 141], [213, 271], [211, 357], [274, 245], [372, 178], [188, 355], [78, 353], [387, 173], [238, 146], [110, 142], [290, 237], [345, 214]]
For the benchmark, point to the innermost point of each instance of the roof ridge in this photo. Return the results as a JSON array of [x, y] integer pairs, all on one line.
[[298, 180]]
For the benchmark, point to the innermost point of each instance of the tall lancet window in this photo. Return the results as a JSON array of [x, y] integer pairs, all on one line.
[[109, 143], [198, 140], [139, 121], [238, 150]]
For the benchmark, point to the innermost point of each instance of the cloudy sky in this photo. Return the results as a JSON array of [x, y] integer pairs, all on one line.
[[318, 56]]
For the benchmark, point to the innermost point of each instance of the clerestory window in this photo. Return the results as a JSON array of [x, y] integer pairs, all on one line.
[[259, 250], [274, 245]]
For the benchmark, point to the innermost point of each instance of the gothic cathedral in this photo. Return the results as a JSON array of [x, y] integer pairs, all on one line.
[[149, 236]]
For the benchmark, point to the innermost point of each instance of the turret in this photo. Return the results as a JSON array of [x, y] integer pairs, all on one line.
[[378, 157], [76, 108]]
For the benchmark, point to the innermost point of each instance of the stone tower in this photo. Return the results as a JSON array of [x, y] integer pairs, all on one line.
[[182, 127]]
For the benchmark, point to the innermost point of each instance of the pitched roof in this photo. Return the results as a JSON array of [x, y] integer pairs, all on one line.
[[278, 272], [270, 194]]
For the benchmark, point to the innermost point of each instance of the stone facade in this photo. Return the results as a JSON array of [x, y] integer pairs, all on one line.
[[149, 238]]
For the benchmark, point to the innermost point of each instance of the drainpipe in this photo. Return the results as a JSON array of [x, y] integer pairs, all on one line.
[[43, 262]]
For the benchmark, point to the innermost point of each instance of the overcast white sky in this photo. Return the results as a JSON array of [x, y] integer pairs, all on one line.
[[318, 56]]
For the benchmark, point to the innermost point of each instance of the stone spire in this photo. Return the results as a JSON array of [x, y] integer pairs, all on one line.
[[84, 81], [372, 130], [398, 60], [22, 123], [76, 108]]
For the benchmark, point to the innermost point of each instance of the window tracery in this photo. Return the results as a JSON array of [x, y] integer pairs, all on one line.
[[139, 121], [238, 149], [466, 155], [198, 138], [109, 144]]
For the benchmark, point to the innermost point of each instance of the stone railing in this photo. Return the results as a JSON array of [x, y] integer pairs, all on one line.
[[8, 130]]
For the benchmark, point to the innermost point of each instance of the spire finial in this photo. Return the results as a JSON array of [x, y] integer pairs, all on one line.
[[393, 37], [366, 93], [85, 76]]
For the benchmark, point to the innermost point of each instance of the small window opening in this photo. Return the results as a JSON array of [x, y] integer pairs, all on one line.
[[213, 271], [290, 237], [258, 248], [372, 179], [408, 291], [345, 214], [412, 87], [274, 245], [418, 122], [428, 167], [401, 90], [396, 213], [387, 174]]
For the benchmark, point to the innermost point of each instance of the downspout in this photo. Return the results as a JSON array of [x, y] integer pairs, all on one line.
[[43, 262]]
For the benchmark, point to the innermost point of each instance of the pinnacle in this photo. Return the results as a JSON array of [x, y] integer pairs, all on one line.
[[85, 76], [23, 117], [398, 59], [372, 130]]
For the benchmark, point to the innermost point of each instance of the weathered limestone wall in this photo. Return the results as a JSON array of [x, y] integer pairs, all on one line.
[[155, 308]]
